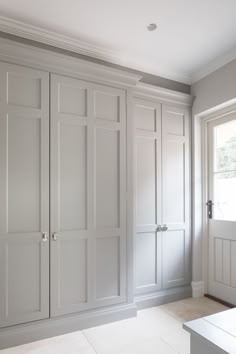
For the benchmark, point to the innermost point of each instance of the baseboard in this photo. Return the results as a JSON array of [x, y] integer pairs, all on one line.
[[222, 302], [162, 297], [198, 288], [33, 331]]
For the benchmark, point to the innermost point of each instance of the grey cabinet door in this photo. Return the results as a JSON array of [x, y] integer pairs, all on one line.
[[88, 185], [176, 196], [162, 184], [148, 253], [24, 194]]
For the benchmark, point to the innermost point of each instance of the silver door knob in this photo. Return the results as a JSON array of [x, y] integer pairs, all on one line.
[[55, 236], [44, 236], [159, 228], [164, 227]]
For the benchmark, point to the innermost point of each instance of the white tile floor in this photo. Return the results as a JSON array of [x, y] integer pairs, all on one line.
[[156, 330]]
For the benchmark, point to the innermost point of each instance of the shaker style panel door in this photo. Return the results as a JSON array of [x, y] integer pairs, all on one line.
[[71, 213], [147, 121], [109, 198], [87, 195], [176, 192], [24, 195]]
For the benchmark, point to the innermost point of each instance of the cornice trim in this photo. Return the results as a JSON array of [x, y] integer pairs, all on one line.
[[27, 55], [161, 94], [38, 34], [214, 65]]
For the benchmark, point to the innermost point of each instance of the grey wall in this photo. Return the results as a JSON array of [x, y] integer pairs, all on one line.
[[214, 89], [147, 78], [211, 91]]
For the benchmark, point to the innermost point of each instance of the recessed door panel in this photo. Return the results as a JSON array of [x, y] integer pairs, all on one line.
[[24, 173], [174, 182], [174, 258], [73, 258], [73, 177], [146, 181], [146, 254], [24, 190], [107, 267], [107, 105], [107, 178]]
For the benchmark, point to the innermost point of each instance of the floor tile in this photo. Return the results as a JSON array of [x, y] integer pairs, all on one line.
[[73, 343], [156, 330]]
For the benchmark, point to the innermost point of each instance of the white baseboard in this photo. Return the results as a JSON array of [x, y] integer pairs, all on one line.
[[198, 289]]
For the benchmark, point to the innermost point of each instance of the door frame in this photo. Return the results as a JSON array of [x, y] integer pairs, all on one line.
[[200, 193]]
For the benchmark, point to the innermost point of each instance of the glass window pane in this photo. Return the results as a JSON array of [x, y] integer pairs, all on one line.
[[225, 196], [225, 147]]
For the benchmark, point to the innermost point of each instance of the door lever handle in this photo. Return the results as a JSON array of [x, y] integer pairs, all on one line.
[[209, 205]]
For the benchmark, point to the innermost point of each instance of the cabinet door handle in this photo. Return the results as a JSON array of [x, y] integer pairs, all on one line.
[[55, 236], [164, 227], [44, 236], [159, 228]]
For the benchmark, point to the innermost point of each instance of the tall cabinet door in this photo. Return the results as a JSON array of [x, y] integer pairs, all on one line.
[[176, 194], [24, 195], [87, 195], [147, 120]]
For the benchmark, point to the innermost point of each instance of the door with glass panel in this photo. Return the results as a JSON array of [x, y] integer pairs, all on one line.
[[221, 207]]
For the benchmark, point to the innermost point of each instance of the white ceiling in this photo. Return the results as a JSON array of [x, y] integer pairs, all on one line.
[[194, 37]]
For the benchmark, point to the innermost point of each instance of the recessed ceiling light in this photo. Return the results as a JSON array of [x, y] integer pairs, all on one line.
[[152, 27]]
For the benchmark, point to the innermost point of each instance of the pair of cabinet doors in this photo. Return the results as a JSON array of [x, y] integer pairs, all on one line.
[[162, 174], [62, 195]]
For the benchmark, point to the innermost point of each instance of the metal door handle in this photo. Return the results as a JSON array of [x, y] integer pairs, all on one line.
[[164, 227], [159, 228], [44, 236], [209, 205], [55, 236]]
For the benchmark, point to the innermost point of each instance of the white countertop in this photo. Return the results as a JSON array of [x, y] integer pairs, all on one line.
[[219, 329]]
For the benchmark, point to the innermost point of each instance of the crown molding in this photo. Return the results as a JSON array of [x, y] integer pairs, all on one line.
[[34, 57], [38, 34], [214, 65], [160, 94], [35, 33]]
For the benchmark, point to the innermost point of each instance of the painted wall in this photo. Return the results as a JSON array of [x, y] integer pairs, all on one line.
[[211, 91], [215, 89]]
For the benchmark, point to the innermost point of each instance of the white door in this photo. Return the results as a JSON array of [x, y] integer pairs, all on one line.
[[222, 218], [88, 189], [24, 194]]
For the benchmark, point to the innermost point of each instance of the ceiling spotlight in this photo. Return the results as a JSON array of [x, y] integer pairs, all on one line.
[[152, 27]]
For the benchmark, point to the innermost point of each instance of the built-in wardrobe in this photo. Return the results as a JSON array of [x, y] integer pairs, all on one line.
[[94, 194], [162, 198]]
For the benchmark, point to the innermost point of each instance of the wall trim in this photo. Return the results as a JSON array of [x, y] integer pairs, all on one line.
[[162, 297], [214, 65], [38, 330], [47, 60], [162, 95], [198, 289], [49, 37]]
